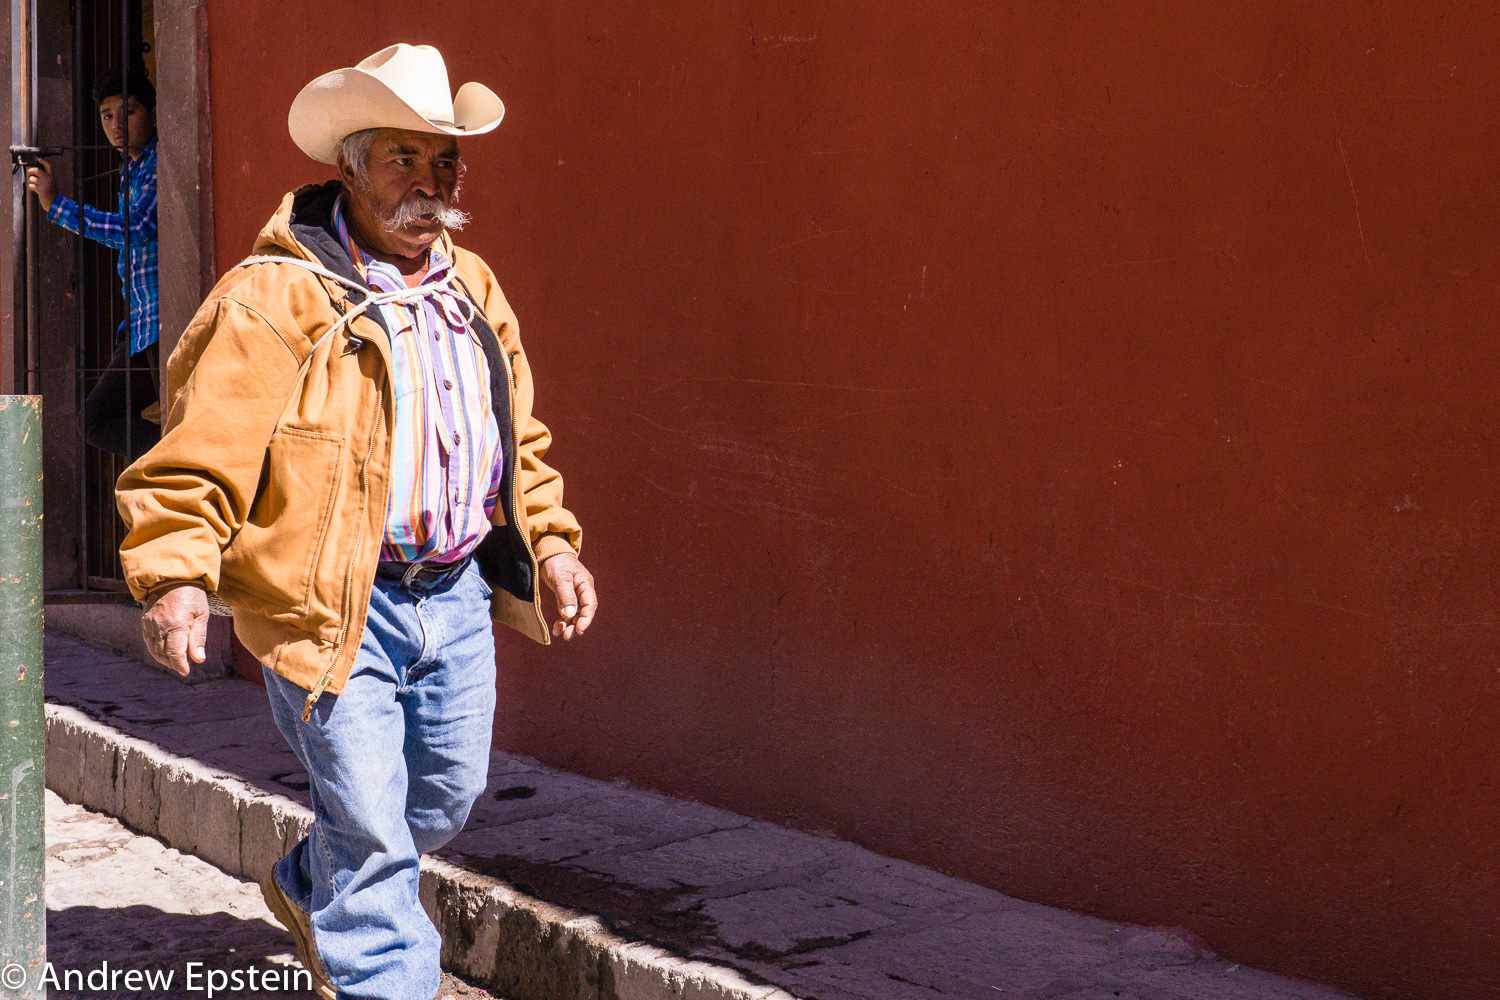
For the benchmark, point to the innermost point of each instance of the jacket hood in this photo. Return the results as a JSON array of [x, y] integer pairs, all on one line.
[[303, 227]]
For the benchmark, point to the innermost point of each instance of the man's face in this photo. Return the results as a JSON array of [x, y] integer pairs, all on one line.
[[142, 122], [412, 178]]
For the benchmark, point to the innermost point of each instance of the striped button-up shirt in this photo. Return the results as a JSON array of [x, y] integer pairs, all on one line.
[[446, 461], [138, 191]]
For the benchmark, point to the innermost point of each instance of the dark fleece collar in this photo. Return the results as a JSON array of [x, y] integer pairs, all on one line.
[[312, 225]]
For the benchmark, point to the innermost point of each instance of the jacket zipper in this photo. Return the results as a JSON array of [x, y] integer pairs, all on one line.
[[359, 539], [515, 502]]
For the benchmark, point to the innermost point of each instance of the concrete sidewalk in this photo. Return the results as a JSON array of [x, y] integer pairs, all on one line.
[[117, 898], [566, 888]]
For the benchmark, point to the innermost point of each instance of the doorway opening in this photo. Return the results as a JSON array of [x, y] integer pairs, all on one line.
[[70, 301]]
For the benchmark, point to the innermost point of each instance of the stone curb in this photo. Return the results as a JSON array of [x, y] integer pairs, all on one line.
[[494, 936]]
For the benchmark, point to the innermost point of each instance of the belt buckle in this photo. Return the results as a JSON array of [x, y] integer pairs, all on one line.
[[412, 570]]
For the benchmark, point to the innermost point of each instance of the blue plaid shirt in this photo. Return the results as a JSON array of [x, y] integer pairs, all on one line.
[[138, 188]]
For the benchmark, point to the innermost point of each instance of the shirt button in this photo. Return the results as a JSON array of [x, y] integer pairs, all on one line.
[[447, 383], [458, 438]]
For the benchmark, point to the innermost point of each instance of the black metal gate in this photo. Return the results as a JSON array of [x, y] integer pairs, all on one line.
[[64, 364]]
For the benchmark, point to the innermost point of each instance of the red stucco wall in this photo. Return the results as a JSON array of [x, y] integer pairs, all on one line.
[[1053, 442]]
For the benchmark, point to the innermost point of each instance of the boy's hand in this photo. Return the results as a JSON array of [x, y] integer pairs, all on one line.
[[39, 181]]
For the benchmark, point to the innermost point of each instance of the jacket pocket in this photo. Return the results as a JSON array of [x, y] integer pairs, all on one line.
[[276, 553]]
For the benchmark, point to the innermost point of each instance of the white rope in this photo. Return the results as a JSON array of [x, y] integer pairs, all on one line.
[[402, 296]]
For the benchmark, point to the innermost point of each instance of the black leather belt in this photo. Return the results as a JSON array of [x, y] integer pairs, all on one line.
[[424, 574]]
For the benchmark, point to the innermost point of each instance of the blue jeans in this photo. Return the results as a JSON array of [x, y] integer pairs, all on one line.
[[395, 762]]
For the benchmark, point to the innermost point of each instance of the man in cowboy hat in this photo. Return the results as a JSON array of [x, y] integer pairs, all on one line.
[[350, 464]]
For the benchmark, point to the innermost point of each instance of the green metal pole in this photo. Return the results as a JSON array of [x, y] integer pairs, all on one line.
[[23, 949]]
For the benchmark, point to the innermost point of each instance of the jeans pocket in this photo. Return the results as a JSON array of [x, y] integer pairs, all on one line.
[[484, 588]]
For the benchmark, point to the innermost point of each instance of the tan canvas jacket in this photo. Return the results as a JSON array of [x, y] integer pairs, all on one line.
[[270, 482]]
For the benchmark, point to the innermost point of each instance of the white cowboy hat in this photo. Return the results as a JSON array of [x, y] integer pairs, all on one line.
[[404, 86]]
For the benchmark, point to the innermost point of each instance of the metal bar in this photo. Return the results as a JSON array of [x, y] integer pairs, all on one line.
[[23, 937], [80, 301], [33, 329], [28, 211], [125, 200]]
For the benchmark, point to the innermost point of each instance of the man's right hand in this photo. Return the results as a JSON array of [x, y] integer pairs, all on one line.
[[175, 625], [39, 180]]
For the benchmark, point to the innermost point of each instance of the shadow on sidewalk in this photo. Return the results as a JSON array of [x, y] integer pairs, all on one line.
[[89, 938]]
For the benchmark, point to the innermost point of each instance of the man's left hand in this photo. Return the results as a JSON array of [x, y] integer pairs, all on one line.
[[573, 586]]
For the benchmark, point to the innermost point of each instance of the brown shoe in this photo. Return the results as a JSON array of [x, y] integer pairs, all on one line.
[[299, 926]]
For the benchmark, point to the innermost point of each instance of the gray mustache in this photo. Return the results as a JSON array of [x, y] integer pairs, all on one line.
[[420, 208]]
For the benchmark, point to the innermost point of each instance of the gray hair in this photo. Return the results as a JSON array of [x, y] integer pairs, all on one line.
[[355, 150]]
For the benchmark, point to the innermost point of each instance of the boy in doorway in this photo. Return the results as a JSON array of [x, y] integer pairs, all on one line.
[[112, 418]]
